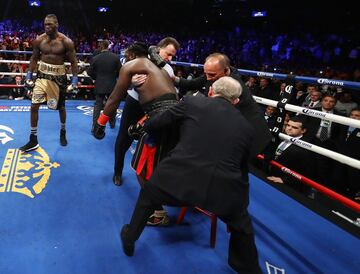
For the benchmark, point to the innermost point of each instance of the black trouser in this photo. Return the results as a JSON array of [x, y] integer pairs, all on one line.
[[243, 255], [131, 114], [100, 100]]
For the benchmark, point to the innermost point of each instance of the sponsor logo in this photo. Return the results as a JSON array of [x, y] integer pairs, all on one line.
[[26, 173], [260, 73], [18, 108], [272, 269], [290, 172], [4, 137], [90, 110], [325, 81], [52, 103], [314, 113], [288, 88], [300, 142]]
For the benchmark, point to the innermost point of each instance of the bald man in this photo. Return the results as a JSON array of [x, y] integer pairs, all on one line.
[[217, 65]]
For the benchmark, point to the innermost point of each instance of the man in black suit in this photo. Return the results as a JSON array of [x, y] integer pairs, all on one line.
[[328, 135], [216, 66], [104, 69], [350, 146], [293, 157], [207, 168]]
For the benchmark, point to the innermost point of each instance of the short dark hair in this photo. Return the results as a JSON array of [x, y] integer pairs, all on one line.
[[139, 49], [169, 41], [104, 43], [53, 16], [299, 119]]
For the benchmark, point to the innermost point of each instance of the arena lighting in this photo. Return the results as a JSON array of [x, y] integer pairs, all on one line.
[[102, 9], [258, 14], [34, 3]]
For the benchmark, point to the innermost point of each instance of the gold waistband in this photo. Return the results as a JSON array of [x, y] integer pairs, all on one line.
[[51, 69]]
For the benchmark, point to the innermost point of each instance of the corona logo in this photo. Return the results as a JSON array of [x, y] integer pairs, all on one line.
[[25, 173]]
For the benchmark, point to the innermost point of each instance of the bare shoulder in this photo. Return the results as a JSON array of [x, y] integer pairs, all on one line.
[[66, 40], [39, 39]]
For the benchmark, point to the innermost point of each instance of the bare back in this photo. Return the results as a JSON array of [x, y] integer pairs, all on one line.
[[158, 83]]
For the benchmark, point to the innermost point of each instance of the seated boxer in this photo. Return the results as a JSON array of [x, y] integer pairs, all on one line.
[[156, 94], [51, 49]]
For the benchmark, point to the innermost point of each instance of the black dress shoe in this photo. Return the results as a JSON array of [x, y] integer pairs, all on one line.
[[117, 180], [128, 246]]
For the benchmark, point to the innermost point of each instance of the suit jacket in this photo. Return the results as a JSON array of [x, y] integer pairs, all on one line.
[[299, 160], [208, 167], [104, 69], [336, 131], [247, 106]]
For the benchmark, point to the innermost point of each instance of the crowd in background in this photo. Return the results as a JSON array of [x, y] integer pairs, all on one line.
[[328, 56]]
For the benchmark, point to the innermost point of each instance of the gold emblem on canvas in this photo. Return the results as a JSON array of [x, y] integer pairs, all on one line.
[[26, 173]]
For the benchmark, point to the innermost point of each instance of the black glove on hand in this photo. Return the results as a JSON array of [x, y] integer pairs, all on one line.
[[155, 57], [136, 131], [99, 131]]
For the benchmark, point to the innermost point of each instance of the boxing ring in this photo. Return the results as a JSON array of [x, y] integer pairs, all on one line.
[[61, 212]]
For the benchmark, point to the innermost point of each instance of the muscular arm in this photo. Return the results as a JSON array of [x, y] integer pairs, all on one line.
[[35, 57], [71, 56]]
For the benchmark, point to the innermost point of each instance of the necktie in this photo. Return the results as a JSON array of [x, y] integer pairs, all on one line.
[[324, 131], [280, 149]]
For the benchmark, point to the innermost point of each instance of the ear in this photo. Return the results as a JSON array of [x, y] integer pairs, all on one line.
[[227, 71], [235, 101]]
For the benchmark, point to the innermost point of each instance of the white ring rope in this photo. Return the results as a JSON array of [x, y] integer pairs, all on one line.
[[322, 115], [84, 74], [28, 62], [323, 151], [311, 112]]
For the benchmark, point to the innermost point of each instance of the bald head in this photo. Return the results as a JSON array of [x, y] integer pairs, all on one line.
[[216, 66]]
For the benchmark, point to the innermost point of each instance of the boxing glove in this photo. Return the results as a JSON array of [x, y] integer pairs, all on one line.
[[99, 131], [99, 127], [29, 82], [72, 88], [137, 130], [155, 57]]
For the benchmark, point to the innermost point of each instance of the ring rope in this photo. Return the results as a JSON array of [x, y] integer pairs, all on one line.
[[311, 112], [30, 52], [328, 192], [22, 86], [280, 76], [323, 151], [23, 74], [28, 62]]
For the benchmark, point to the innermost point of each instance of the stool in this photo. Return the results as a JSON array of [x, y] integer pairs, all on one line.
[[213, 226]]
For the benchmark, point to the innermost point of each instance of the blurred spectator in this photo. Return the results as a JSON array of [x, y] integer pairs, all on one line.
[[345, 103], [18, 93]]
